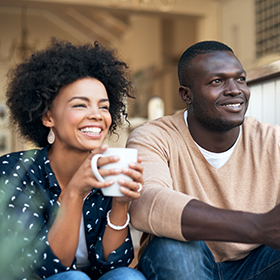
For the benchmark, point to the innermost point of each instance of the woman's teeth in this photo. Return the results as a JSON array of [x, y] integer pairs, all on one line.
[[92, 130]]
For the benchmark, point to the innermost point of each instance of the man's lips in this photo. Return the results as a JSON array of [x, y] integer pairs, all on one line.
[[232, 102], [233, 105]]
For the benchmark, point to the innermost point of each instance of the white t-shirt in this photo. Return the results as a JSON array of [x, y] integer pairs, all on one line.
[[82, 252]]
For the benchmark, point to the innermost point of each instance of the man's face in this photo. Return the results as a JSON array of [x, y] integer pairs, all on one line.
[[219, 96]]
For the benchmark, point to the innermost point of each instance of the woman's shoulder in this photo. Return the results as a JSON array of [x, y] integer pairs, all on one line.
[[22, 160], [19, 156]]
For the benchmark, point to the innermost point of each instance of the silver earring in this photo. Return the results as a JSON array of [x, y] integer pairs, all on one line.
[[51, 137]]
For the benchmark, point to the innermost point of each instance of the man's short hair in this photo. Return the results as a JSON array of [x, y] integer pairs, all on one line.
[[204, 47]]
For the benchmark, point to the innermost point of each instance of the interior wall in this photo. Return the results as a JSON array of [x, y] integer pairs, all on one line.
[[238, 29], [141, 47], [177, 35], [40, 29]]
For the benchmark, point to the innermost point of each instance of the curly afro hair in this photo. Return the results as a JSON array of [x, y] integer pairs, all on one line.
[[34, 84]]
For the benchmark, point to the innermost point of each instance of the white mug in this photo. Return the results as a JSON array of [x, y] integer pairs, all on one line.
[[126, 155]]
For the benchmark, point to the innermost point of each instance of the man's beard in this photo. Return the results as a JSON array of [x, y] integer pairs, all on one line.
[[217, 124]]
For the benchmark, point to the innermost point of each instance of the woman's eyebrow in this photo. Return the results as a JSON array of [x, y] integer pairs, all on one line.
[[79, 97], [87, 99]]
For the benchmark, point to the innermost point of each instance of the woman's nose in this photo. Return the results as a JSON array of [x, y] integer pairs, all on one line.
[[94, 113]]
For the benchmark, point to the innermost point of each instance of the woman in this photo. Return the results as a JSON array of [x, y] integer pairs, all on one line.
[[66, 99]]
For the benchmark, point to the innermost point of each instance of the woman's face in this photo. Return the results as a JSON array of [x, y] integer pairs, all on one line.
[[80, 115]]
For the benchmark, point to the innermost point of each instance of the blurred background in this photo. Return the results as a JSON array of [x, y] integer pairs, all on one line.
[[150, 36]]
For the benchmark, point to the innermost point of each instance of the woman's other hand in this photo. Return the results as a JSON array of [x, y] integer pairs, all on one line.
[[131, 189]]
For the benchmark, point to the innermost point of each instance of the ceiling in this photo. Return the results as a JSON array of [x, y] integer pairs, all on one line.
[[101, 20]]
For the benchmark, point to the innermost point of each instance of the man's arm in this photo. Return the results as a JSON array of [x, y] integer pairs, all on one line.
[[159, 209], [201, 221]]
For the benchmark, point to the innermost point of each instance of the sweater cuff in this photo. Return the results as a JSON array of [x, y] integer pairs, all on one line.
[[164, 214], [173, 207]]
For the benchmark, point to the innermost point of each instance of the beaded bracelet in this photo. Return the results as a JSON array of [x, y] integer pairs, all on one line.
[[114, 226]]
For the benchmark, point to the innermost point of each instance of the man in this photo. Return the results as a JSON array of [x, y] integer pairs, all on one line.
[[209, 205]]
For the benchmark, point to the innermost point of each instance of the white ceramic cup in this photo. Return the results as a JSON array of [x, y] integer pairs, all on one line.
[[126, 156]]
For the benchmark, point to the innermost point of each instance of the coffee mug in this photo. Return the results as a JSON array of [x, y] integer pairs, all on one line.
[[126, 155]]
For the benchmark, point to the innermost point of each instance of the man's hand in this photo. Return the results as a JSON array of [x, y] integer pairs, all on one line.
[[269, 228]]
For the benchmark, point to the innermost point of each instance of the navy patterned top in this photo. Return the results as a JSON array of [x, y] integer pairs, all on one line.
[[28, 207]]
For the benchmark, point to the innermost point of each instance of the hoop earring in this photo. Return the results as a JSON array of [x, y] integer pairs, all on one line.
[[51, 137]]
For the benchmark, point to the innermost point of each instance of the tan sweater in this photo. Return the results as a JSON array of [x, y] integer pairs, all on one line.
[[175, 172]]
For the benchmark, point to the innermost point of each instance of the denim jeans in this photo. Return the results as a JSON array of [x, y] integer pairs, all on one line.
[[122, 273], [165, 258]]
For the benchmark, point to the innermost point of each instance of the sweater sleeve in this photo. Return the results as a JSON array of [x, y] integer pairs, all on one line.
[[159, 209]]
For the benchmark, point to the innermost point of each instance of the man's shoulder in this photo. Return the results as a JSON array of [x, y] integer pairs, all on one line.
[[158, 132], [252, 123], [255, 129], [169, 122]]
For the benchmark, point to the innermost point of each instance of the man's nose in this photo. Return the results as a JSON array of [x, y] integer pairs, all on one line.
[[232, 88]]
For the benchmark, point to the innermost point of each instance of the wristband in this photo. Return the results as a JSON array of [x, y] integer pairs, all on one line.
[[114, 226]]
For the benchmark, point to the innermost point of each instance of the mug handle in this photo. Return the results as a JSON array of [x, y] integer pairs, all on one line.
[[94, 167]]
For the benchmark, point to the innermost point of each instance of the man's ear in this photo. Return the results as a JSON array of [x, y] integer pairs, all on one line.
[[47, 119], [185, 94]]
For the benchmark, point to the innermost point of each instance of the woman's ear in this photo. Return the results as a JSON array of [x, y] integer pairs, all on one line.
[[47, 119], [185, 94]]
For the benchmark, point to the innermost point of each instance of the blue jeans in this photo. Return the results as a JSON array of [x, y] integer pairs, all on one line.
[[165, 258], [122, 273]]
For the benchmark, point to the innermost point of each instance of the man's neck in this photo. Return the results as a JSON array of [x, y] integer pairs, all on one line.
[[213, 141]]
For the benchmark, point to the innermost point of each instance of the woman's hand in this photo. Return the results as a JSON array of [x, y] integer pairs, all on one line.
[[84, 180], [131, 189]]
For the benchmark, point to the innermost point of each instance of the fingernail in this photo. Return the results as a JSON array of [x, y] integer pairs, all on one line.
[[104, 146], [121, 181], [117, 170], [125, 169], [132, 164], [111, 182]]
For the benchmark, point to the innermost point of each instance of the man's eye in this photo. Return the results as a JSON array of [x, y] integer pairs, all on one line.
[[216, 81], [242, 79]]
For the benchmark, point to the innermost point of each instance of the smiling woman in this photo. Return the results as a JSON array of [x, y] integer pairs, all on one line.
[[46, 72], [66, 99], [80, 114]]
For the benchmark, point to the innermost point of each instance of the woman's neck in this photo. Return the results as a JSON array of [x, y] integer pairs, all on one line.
[[65, 163]]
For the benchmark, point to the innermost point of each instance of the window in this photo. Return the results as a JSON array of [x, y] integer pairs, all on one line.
[[267, 27]]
